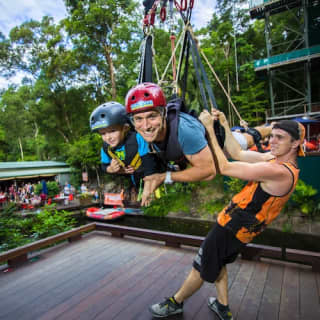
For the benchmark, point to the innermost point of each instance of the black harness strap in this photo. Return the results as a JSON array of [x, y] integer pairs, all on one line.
[[145, 74], [131, 148], [219, 130], [200, 81], [203, 72], [256, 138]]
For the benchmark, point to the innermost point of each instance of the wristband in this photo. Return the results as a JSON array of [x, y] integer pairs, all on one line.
[[168, 179]]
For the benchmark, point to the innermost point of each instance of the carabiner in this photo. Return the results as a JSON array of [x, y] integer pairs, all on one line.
[[182, 6], [163, 14]]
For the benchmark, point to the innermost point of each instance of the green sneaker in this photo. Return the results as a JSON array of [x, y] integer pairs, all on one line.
[[166, 308], [215, 306]]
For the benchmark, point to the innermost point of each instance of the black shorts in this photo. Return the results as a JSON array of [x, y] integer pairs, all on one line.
[[219, 248]]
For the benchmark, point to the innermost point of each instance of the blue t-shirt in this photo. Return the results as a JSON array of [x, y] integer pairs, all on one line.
[[191, 134], [143, 149]]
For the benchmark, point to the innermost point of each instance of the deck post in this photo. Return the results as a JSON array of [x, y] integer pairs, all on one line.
[[117, 234], [75, 238], [17, 261], [250, 253], [172, 244]]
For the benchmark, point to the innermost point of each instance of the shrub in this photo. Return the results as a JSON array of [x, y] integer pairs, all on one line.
[[17, 231], [50, 222], [303, 198], [53, 188]]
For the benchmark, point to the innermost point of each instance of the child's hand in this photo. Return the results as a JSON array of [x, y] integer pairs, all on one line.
[[129, 170], [114, 166]]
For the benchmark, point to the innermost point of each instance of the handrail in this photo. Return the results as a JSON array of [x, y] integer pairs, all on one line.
[[24, 250], [250, 251]]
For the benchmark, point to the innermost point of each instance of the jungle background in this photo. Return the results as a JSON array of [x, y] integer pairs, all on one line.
[[93, 56]]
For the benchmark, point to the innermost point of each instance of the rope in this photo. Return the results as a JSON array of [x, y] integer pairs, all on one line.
[[169, 63], [154, 59], [243, 122]]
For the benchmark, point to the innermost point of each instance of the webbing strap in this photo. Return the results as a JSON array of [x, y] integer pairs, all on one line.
[[113, 156], [145, 74], [186, 46], [135, 163], [200, 81], [204, 74]]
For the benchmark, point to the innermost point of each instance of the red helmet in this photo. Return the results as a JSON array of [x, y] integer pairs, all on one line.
[[145, 96]]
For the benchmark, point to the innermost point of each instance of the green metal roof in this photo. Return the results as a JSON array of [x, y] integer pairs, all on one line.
[[287, 58], [258, 8], [25, 169]]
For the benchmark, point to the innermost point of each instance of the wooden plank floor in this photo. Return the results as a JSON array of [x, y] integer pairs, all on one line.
[[101, 277]]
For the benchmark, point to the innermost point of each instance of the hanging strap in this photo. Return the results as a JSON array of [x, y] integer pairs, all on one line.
[[203, 72], [145, 74]]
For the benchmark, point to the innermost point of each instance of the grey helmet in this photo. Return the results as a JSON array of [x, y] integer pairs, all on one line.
[[108, 114]]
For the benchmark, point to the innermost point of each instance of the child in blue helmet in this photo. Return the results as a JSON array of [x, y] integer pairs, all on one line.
[[124, 151]]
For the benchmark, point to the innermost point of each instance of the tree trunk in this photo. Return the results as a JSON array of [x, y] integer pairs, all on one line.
[[107, 51], [21, 149], [36, 132], [63, 135]]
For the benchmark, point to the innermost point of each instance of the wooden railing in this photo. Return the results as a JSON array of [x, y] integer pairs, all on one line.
[[19, 255], [250, 252]]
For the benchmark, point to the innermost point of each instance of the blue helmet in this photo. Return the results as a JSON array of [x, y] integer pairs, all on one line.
[[108, 114]]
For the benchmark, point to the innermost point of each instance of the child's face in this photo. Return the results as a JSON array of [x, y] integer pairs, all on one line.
[[113, 135]]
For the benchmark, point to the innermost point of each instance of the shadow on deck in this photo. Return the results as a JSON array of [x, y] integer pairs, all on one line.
[[104, 277]]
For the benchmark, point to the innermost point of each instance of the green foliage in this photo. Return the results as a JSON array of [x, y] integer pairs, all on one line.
[[303, 198], [287, 227], [50, 222], [213, 207], [177, 199], [16, 230], [234, 185], [53, 188]]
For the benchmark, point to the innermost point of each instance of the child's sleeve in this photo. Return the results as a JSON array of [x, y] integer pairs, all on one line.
[[105, 160]]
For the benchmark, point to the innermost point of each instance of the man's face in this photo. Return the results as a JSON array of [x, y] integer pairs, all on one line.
[[281, 142], [149, 124], [112, 135]]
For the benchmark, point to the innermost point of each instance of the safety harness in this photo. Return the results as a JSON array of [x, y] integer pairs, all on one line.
[[189, 46], [256, 138], [132, 157], [170, 149]]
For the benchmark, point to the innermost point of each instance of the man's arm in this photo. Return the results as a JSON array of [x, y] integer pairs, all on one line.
[[232, 146], [202, 168], [275, 178]]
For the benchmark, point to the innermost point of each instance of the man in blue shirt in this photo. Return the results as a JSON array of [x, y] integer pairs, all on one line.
[[173, 136]]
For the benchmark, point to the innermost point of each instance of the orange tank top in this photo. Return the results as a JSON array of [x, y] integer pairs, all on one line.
[[252, 209]]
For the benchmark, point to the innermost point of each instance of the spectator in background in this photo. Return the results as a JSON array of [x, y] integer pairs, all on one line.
[[83, 188], [66, 189]]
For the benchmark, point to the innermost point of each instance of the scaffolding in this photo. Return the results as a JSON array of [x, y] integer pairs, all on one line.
[[292, 64]]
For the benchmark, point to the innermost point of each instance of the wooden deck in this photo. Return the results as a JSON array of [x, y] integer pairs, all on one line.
[[103, 277]]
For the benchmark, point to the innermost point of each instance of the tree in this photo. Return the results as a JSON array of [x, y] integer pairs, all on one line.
[[15, 119], [101, 31], [226, 43]]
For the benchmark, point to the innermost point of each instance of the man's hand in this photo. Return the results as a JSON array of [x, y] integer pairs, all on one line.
[[206, 118], [155, 180], [151, 183], [221, 117]]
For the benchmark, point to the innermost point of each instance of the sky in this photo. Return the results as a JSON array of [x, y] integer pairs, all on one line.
[[15, 12]]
